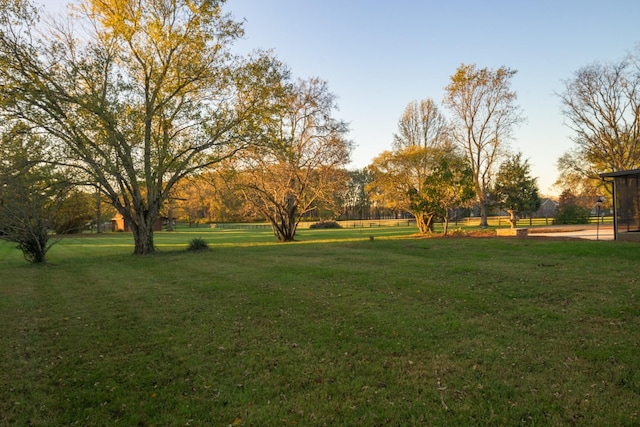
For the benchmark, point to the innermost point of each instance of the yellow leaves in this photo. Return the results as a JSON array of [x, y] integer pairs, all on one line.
[[120, 17], [154, 27], [236, 422], [169, 47]]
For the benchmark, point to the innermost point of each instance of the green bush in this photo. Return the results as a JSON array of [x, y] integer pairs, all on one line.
[[571, 214], [70, 226], [325, 224], [198, 244]]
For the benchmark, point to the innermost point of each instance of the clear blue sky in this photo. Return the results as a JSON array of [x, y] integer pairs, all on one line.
[[379, 55]]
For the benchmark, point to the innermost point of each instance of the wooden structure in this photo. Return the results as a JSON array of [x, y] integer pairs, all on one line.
[[626, 204], [118, 223]]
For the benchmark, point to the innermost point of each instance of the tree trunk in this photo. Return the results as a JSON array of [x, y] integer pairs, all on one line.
[[420, 222], [143, 237], [33, 242], [424, 221], [98, 211], [170, 221], [285, 230], [281, 232], [142, 229], [446, 224], [483, 214]]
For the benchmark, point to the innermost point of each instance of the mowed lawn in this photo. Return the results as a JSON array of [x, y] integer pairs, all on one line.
[[335, 330]]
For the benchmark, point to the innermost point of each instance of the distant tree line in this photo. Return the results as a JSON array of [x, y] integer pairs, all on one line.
[[142, 109]]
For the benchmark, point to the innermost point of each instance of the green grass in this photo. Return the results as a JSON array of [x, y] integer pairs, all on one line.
[[332, 330]]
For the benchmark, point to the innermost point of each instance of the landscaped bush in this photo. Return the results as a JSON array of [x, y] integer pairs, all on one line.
[[458, 232], [198, 244], [325, 224], [571, 214]]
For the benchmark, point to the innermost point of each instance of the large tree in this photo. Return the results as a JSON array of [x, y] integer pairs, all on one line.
[[601, 104], [448, 185], [515, 190], [301, 167], [146, 93], [484, 113], [399, 175]]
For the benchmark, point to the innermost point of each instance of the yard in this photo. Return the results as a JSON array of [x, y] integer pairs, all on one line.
[[335, 329]]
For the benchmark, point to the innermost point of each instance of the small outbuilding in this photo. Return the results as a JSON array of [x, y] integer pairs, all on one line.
[[626, 204], [118, 223]]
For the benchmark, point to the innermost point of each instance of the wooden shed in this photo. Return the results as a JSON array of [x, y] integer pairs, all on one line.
[[118, 223]]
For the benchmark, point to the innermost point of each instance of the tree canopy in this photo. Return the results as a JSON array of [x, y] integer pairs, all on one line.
[[515, 190], [601, 104], [398, 178], [484, 114], [421, 125], [449, 185], [136, 95], [301, 166]]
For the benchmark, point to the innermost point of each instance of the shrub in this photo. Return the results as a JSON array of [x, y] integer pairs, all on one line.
[[198, 244], [70, 226], [325, 224], [34, 246], [458, 232], [571, 214]]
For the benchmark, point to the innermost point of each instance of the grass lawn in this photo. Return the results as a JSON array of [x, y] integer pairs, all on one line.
[[335, 329]]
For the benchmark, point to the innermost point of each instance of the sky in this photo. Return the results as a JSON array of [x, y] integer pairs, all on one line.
[[377, 56]]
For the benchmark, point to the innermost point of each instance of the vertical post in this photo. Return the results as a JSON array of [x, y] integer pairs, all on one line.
[[599, 201], [598, 223], [98, 211], [615, 209]]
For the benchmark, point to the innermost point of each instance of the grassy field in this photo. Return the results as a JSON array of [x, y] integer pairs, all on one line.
[[335, 329]]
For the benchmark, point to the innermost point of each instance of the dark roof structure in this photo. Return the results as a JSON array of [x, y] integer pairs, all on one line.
[[626, 203]]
